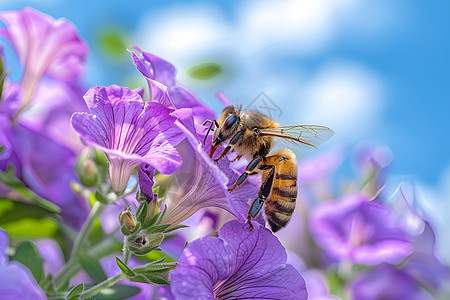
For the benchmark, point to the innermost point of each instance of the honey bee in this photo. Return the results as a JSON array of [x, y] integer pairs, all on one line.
[[251, 135]]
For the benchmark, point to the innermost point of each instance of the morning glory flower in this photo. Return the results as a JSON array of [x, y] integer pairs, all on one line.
[[129, 131], [16, 281], [44, 46], [238, 264], [359, 230], [386, 282]]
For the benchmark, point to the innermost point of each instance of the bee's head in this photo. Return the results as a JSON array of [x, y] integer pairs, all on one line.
[[229, 121]]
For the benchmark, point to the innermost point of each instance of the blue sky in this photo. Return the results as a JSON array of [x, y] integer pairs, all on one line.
[[371, 70]]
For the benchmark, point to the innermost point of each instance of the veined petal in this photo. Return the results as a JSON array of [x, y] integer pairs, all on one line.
[[46, 45], [129, 131], [153, 67], [160, 74], [201, 183], [239, 264]]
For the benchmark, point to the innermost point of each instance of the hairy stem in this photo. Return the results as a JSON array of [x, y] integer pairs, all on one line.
[[126, 251], [101, 286], [70, 269]]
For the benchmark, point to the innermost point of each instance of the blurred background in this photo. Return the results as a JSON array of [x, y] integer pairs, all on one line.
[[373, 71]]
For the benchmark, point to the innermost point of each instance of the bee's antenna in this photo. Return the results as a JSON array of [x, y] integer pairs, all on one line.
[[211, 123]]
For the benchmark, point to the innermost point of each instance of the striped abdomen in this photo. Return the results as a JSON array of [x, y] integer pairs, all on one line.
[[280, 204]]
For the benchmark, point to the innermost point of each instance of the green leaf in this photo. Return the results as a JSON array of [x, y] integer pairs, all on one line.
[[11, 210], [205, 71], [175, 228], [125, 269], [116, 292], [28, 255], [93, 268], [1, 147], [151, 279], [141, 212], [11, 181], [29, 228], [113, 42], [158, 228], [75, 292]]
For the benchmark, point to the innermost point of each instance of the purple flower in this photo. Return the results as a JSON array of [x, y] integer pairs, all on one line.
[[360, 230], [160, 75], [317, 288], [44, 46], [129, 131], [16, 281], [145, 174], [53, 104], [373, 161], [239, 264], [201, 183], [44, 166], [386, 282]]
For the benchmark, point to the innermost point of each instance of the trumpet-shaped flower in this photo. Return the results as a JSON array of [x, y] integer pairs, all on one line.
[[239, 264], [44, 46], [129, 131], [201, 183], [360, 230], [160, 75], [16, 281], [44, 166]]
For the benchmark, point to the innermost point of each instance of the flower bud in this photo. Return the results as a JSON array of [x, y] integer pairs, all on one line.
[[127, 222], [142, 244], [147, 212], [86, 168]]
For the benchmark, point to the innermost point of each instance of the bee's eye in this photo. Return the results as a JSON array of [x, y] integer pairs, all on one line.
[[229, 122]]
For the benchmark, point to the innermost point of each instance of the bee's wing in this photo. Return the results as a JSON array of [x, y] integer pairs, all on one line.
[[300, 135]]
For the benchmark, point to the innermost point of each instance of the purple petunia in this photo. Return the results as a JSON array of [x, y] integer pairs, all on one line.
[[387, 282], [239, 264], [360, 230], [44, 46], [129, 131], [160, 76], [44, 166], [16, 281]]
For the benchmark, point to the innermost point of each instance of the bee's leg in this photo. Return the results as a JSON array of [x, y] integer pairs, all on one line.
[[248, 171], [224, 152], [264, 192], [232, 142], [238, 157]]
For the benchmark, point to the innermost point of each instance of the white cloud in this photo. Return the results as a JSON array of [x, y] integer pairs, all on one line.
[[184, 33], [345, 96]]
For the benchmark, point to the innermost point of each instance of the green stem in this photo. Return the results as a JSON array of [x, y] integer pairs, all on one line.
[[101, 286], [83, 236], [70, 268], [126, 251]]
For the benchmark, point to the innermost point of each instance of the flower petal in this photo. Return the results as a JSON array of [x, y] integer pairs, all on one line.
[[123, 127], [46, 45], [360, 230], [239, 264]]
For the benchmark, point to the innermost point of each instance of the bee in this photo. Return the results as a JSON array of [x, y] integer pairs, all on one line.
[[251, 135]]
